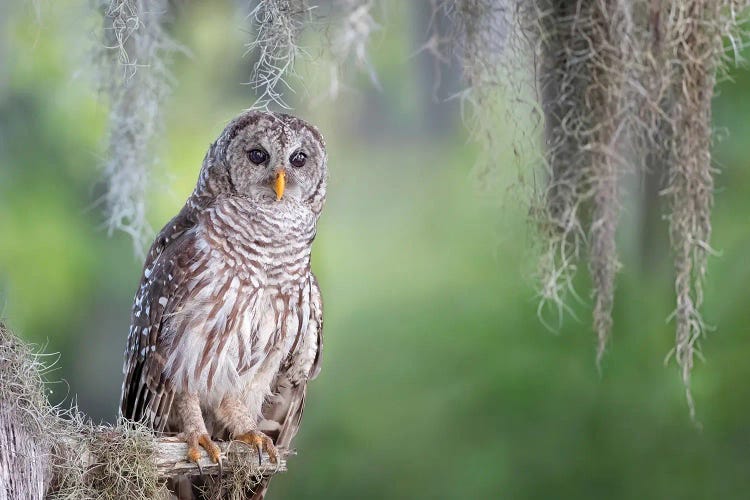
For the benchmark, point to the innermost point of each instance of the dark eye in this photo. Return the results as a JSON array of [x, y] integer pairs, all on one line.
[[258, 156], [298, 159]]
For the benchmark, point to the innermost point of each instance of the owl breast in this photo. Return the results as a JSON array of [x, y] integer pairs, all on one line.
[[248, 299]]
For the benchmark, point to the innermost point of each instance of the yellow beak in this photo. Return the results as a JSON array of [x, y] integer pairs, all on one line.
[[280, 184]]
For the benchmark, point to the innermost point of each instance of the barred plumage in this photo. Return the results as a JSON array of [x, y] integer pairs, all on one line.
[[227, 323]]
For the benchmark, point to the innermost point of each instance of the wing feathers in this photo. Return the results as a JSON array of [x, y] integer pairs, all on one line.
[[146, 396]]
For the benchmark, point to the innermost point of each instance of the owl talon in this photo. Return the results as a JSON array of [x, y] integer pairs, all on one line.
[[260, 442], [213, 451], [195, 442]]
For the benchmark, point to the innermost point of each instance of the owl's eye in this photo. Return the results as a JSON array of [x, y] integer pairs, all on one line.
[[298, 159], [258, 156]]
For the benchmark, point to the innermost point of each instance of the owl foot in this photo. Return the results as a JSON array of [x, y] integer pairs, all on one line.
[[261, 443], [195, 441]]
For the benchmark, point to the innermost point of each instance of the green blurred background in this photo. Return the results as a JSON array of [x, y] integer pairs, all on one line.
[[439, 381]]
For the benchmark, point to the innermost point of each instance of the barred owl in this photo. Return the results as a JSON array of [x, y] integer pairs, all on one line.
[[226, 328]]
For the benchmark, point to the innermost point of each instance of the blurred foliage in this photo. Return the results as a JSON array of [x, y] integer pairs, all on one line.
[[439, 380]]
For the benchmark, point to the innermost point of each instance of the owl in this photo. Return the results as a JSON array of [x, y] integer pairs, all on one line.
[[226, 328]]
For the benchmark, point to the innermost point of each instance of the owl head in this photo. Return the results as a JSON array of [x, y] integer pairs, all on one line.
[[267, 157]]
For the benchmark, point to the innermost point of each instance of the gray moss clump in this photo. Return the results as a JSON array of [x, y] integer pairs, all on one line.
[[22, 384], [106, 463]]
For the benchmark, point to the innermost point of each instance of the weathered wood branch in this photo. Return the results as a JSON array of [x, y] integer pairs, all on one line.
[[171, 453], [170, 457]]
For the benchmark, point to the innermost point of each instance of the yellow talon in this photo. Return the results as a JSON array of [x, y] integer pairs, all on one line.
[[195, 442], [213, 451], [194, 455], [261, 443]]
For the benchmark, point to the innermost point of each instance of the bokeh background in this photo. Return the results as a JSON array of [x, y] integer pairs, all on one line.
[[439, 380]]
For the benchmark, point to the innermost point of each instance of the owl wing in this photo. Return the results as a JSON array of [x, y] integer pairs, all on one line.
[[316, 311], [293, 388], [146, 394]]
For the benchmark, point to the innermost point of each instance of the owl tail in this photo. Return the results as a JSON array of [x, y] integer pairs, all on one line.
[[259, 492], [282, 418], [194, 488], [183, 488]]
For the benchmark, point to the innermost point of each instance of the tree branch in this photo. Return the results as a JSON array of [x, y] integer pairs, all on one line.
[[171, 453]]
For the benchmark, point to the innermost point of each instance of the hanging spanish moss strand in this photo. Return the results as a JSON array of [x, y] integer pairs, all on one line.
[[135, 75], [562, 81], [584, 65], [481, 34], [608, 97], [278, 25], [581, 69], [479, 38], [693, 38], [579, 93], [352, 33]]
